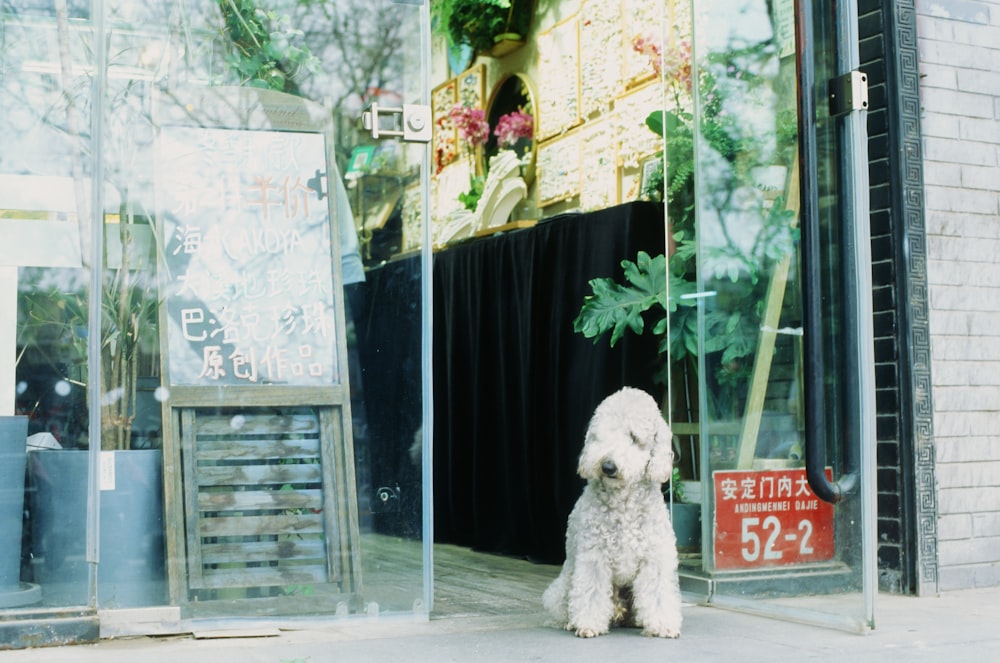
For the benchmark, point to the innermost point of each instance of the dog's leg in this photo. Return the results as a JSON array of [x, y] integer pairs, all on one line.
[[657, 597], [591, 603]]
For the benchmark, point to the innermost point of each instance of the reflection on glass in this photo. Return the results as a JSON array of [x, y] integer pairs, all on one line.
[[767, 519], [344, 483], [747, 217]]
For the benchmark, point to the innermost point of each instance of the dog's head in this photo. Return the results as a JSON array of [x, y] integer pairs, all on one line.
[[627, 441]]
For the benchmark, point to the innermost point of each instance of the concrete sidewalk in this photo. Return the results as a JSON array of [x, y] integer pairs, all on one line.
[[956, 626]]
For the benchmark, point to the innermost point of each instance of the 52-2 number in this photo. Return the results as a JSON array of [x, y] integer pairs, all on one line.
[[771, 529]]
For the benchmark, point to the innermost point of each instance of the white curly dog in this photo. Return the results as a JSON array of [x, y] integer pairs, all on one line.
[[621, 553]]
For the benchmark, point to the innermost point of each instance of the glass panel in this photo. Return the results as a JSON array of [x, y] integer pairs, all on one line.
[[770, 538], [260, 413], [45, 220]]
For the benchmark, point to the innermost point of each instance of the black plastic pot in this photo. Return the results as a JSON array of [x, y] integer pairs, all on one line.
[[13, 438], [131, 571]]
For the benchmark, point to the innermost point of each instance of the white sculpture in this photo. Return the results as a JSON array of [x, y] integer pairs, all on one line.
[[503, 190]]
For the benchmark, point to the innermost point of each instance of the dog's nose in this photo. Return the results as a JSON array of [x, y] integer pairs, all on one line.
[[609, 468]]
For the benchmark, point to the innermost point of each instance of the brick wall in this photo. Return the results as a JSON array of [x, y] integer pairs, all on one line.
[[959, 52]]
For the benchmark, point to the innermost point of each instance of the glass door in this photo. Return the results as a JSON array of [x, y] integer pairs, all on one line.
[[292, 276], [781, 314]]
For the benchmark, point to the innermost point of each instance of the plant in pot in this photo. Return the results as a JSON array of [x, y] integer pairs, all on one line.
[[53, 339], [685, 514], [13, 592], [493, 27], [131, 569], [474, 132]]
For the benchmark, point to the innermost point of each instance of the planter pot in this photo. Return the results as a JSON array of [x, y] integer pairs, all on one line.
[[504, 44], [459, 57], [692, 491], [686, 519], [13, 438], [131, 571]]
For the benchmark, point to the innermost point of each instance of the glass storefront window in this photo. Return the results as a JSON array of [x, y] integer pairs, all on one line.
[[216, 283], [220, 417]]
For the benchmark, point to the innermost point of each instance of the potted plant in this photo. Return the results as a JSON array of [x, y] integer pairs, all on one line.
[[13, 435], [53, 339], [53, 333], [492, 27], [685, 514]]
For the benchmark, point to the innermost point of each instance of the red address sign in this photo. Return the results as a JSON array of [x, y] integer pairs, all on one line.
[[768, 518]]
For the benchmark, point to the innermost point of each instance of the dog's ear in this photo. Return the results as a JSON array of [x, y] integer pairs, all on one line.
[[661, 457], [587, 463]]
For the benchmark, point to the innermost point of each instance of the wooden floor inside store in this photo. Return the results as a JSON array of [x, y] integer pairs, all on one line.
[[467, 583]]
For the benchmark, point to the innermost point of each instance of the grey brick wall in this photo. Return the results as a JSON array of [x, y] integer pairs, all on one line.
[[959, 51]]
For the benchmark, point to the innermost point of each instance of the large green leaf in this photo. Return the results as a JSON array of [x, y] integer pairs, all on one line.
[[615, 308]]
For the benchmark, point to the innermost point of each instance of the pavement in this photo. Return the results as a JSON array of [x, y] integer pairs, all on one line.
[[954, 626]]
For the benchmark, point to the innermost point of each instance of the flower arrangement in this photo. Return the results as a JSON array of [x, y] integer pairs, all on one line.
[[471, 124], [646, 45], [513, 127], [473, 131]]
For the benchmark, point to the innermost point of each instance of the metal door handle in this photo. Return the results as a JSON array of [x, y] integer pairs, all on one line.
[[812, 315]]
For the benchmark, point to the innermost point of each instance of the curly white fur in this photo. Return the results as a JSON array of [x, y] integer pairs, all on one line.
[[621, 553]]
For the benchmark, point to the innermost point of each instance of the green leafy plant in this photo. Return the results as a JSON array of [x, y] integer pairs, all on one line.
[[676, 487], [480, 23], [470, 198], [266, 50], [53, 331]]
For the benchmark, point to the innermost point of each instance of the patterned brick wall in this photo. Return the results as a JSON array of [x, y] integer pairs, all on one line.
[[959, 51], [890, 523], [907, 514]]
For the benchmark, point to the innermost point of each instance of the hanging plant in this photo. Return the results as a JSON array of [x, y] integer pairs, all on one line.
[[481, 24]]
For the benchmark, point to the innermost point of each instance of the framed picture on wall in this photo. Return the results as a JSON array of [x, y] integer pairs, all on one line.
[[598, 158], [445, 136], [652, 169], [558, 106], [601, 56], [471, 87], [558, 169]]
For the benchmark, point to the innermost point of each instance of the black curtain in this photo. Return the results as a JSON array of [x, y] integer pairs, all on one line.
[[514, 386], [386, 398]]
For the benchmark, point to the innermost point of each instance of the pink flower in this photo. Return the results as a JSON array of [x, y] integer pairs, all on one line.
[[647, 46], [514, 126], [676, 61], [471, 123]]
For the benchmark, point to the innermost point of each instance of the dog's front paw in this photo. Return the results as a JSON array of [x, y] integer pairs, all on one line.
[[586, 633], [663, 632]]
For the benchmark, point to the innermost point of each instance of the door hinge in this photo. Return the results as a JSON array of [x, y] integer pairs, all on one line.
[[848, 93], [412, 122]]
